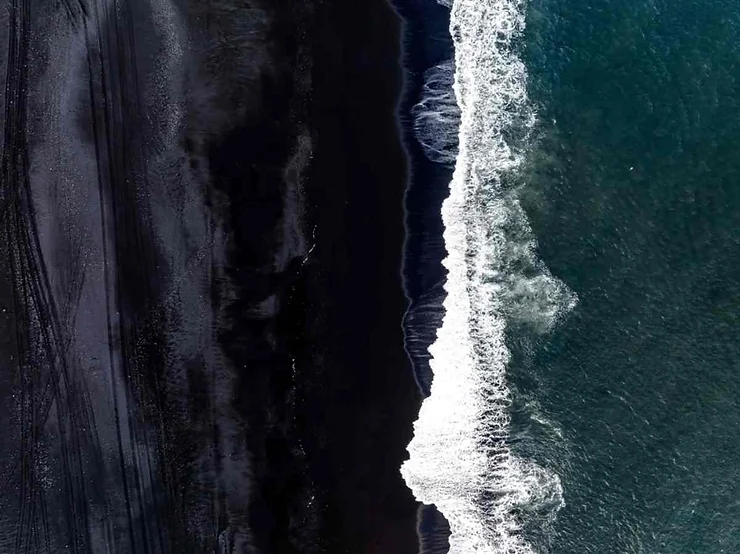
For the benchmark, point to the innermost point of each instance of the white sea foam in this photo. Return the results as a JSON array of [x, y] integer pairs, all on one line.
[[436, 115], [459, 457]]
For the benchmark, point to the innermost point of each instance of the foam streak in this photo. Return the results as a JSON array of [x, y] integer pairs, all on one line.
[[459, 458]]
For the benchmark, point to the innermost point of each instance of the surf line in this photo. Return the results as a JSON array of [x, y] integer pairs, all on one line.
[[459, 457]]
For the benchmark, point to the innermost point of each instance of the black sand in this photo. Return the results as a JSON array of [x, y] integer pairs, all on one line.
[[201, 287], [357, 179]]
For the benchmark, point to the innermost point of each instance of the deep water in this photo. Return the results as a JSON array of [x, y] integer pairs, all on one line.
[[632, 191], [426, 43]]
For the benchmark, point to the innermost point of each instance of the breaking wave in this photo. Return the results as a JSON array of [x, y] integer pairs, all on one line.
[[460, 460]]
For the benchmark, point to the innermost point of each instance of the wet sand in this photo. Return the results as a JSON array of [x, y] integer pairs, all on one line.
[[201, 287]]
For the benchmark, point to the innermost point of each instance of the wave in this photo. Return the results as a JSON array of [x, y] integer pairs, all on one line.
[[459, 457], [437, 115]]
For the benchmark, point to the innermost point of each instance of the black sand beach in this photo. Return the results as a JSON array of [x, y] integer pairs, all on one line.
[[426, 43], [203, 233]]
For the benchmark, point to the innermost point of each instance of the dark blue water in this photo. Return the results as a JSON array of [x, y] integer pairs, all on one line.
[[633, 192]]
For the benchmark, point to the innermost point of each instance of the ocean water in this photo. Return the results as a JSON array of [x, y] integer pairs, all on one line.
[[460, 457], [585, 397]]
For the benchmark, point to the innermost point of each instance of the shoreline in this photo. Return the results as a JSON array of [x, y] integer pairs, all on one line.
[[425, 43]]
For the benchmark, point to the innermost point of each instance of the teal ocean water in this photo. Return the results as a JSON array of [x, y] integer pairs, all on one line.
[[585, 396], [632, 190]]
